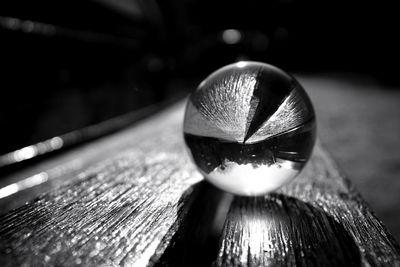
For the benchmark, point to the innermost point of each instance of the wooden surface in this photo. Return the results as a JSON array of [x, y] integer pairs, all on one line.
[[135, 199]]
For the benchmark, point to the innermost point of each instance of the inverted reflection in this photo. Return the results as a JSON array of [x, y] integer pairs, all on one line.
[[250, 128]]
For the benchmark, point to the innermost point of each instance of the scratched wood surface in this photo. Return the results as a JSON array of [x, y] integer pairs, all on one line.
[[135, 199]]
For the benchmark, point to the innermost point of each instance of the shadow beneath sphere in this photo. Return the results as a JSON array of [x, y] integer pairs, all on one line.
[[272, 230], [196, 241]]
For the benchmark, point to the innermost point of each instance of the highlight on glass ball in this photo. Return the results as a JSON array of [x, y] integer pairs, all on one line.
[[250, 128]]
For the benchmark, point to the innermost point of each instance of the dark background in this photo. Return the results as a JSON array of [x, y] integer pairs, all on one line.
[[70, 64]]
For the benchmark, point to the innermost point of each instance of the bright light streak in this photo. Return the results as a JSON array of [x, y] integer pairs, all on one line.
[[25, 153], [23, 184]]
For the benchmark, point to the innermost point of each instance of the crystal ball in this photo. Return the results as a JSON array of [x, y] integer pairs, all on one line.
[[250, 128]]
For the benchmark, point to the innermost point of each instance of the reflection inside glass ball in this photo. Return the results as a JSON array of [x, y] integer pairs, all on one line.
[[250, 128]]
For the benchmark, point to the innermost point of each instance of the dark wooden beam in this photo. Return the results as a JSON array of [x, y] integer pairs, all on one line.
[[135, 198]]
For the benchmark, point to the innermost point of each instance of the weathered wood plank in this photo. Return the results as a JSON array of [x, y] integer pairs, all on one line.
[[136, 199], [319, 220]]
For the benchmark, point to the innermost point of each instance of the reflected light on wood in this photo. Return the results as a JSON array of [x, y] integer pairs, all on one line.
[[135, 199]]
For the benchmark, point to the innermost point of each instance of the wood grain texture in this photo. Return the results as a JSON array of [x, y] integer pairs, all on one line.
[[135, 199]]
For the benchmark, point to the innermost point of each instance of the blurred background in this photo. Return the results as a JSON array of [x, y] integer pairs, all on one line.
[[67, 66]]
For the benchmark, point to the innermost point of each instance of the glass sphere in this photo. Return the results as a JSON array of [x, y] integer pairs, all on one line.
[[250, 128]]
